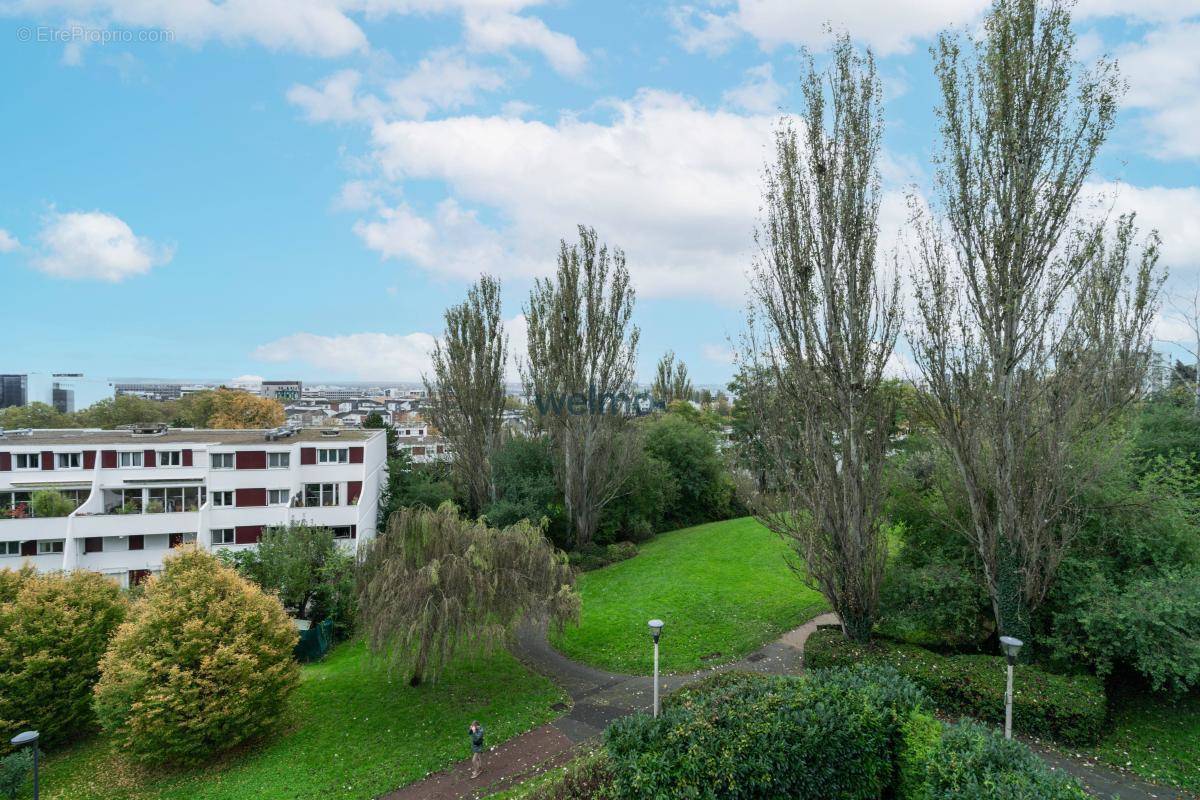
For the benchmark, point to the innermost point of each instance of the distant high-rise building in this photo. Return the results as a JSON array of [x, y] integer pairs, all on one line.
[[66, 391], [14, 390], [150, 391], [283, 391]]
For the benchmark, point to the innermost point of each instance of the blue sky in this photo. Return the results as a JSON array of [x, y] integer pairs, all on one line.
[[298, 189]]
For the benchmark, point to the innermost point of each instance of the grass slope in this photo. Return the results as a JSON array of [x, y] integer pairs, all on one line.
[[1155, 736], [353, 733], [723, 589]]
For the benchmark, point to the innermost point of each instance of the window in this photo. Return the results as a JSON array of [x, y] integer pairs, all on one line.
[[49, 546], [279, 460], [278, 497], [10, 549], [170, 458], [222, 535], [333, 456], [128, 459], [320, 494], [343, 532], [222, 499], [222, 460], [70, 460], [28, 460]]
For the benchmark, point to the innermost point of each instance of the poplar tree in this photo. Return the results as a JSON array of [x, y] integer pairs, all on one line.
[[671, 381], [830, 324], [1035, 314], [582, 346], [467, 389]]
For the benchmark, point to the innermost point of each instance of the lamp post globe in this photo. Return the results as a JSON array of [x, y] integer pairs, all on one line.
[[656, 626]]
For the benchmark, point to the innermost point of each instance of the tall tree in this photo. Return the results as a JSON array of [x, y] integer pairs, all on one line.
[[582, 346], [671, 380], [830, 326], [1035, 326], [467, 389], [1185, 311], [437, 583]]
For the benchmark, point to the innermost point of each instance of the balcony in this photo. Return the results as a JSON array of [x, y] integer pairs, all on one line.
[[16, 530], [135, 524]]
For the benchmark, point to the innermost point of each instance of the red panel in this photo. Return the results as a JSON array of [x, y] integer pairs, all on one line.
[[89, 459], [108, 459], [137, 542], [47, 459], [356, 455], [251, 459], [187, 458], [308, 455], [93, 544], [251, 497], [5, 462], [353, 490], [149, 459], [247, 534], [29, 548]]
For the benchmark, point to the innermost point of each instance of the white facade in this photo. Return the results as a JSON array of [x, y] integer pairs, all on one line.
[[141, 494]]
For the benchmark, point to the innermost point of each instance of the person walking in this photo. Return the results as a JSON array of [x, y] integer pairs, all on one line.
[[476, 732]]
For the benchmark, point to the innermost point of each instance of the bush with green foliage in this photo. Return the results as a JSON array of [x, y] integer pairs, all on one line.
[[935, 603], [55, 629], [920, 737], [819, 736], [49, 503], [523, 476], [972, 761], [306, 568], [203, 663], [14, 772], [586, 777], [595, 556], [689, 452], [1070, 708]]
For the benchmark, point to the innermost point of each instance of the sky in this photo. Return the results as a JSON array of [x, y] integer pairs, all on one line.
[[299, 188]]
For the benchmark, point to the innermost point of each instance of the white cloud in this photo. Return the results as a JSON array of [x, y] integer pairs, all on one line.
[[718, 354], [8, 242], [1164, 80], [95, 245], [500, 32], [312, 27], [674, 184], [365, 356], [441, 81], [247, 381], [759, 93], [1163, 209]]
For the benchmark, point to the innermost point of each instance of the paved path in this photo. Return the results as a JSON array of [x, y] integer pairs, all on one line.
[[599, 697]]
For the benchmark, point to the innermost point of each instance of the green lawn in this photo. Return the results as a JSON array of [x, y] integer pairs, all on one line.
[[1158, 737], [723, 589], [353, 733]]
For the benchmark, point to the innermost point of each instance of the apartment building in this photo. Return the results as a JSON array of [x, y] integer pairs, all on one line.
[[139, 493]]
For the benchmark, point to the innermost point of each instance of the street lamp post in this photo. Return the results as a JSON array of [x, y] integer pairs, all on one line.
[[29, 738], [656, 626], [1011, 647]]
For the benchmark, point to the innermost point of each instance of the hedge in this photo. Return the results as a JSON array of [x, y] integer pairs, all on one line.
[[739, 736], [1069, 708]]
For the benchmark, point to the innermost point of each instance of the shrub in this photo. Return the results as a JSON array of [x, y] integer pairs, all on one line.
[[203, 663], [49, 503], [56, 627], [587, 777], [973, 761], [14, 771], [920, 737], [939, 602], [741, 736], [596, 556], [1070, 708]]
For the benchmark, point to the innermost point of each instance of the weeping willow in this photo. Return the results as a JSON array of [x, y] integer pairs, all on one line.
[[435, 585]]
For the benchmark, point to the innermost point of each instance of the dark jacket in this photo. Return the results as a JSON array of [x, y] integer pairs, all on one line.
[[476, 739]]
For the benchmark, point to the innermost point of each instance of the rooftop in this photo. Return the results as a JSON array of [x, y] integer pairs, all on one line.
[[93, 436]]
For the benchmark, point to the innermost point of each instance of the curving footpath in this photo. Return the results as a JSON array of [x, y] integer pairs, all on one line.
[[599, 697]]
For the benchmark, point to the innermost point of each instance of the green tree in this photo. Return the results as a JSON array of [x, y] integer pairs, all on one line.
[[671, 380], [203, 664], [113, 412], [55, 629], [689, 454], [1035, 321], [436, 584], [35, 415]]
